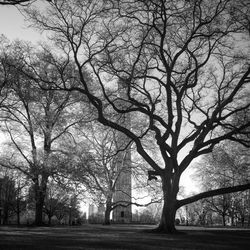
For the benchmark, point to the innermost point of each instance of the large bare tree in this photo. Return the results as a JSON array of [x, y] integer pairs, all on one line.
[[184, 68]]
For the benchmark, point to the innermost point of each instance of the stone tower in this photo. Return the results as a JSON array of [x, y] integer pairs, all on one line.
[[123, 190]]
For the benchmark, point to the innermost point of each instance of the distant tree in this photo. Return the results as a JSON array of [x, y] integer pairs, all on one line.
[[35, 120], [7, 198], [20, 197], [147, 217], [227, 165], [13, 187], [154, 212], [99, 159], [221, 205], [56, 199], [96, 157], [4, 68], [198, 213], [241, 208]]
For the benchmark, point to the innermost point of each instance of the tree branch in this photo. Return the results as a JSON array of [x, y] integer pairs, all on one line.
[[211, 193]]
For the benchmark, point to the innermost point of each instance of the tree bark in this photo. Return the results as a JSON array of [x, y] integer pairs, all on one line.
[[107, 216], [40, 191], [108, 210], [39, 209], [167, 222]]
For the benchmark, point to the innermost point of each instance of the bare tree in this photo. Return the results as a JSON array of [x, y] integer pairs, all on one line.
[[227, 165], [96, 159], [4, 68], [58, 198], [35, 121], [99, 159], [184, 68]]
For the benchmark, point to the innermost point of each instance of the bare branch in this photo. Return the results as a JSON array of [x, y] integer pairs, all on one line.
[[211, 193]]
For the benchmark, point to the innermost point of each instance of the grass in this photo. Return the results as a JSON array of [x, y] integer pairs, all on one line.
[[120, 237]]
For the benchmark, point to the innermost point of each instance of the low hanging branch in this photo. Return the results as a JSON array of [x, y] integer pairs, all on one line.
[[18, 2], [15, 2], [211, 193], [126, 204]]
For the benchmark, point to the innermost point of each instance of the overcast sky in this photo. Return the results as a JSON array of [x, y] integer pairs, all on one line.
[[13, 26]]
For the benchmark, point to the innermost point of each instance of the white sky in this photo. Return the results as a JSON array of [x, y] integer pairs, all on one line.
[[13, 26]]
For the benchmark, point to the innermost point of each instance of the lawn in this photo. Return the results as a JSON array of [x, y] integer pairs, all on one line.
[[120, 237]]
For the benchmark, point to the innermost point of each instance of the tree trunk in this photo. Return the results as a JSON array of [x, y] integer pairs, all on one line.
[[40, 192], [39, 209], [18, 202], [232, 220], [108, 211], [167, 223], [5, 215], [242, 221], [224, 219], [170, 190], [107, 216], [18, 212], [49, 217]]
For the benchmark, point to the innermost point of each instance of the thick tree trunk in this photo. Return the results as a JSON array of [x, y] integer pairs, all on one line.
[[167, 223], [170, 190]]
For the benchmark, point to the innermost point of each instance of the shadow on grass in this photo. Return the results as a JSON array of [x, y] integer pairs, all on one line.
[[120, 237]]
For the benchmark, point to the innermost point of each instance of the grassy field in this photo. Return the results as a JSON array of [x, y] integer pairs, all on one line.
[[120, 237]]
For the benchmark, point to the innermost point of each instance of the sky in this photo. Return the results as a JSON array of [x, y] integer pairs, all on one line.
[[13, 26]]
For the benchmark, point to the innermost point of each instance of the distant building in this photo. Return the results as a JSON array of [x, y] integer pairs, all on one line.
[[123, 190], [122, 196]]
